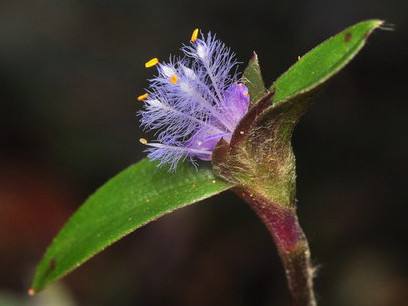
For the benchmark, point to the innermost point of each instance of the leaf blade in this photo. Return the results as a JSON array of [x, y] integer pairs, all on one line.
[[323, 61], [136, 196]]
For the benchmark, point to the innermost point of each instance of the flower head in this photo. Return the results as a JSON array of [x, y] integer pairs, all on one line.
[[193, 102]]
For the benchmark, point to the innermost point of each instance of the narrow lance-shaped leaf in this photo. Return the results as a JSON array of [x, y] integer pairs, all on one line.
[[134, 197], [322, 62]]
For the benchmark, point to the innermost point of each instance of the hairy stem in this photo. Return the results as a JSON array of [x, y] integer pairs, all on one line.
[[292, 245]]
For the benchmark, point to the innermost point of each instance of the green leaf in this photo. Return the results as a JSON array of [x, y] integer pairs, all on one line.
[[252, 78], [134, 197], [259, 159], [322, 62]]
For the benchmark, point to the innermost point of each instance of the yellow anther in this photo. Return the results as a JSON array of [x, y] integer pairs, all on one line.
[[153, 62], [173, 79], [194, 36], [142, 97], [143, 141]]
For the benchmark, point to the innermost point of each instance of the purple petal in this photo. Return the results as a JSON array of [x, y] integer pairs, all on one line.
[[236, 103], [205, 139]]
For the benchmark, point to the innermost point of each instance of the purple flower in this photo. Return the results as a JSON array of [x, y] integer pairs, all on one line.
[[193, 102]]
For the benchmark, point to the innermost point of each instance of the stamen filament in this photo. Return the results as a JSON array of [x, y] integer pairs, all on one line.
[[210, 74], [189, 150], [211, 108], [194, 119]]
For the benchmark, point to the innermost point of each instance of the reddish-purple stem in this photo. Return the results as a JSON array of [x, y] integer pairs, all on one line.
[[292, 245]]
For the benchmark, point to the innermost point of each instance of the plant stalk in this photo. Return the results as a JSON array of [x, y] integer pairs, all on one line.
[[292, 245]]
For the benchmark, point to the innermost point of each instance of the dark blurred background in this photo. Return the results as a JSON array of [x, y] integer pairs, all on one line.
[[70, 72]]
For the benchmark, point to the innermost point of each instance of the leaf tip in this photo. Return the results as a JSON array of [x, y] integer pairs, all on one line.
[[383, 25], [373, 25], [254, 57], [376, 24], [379, 22]]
